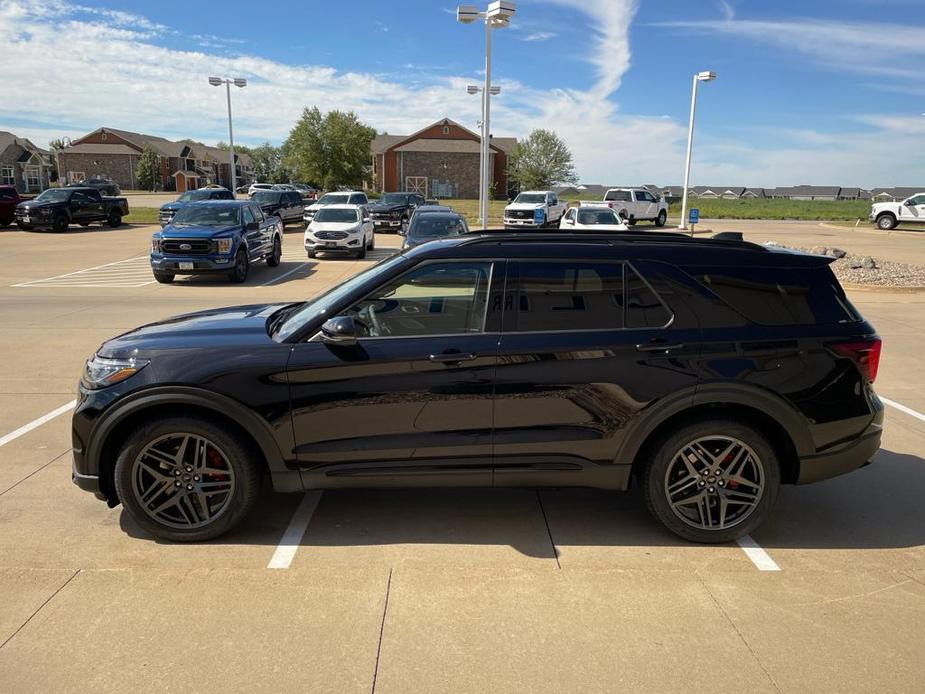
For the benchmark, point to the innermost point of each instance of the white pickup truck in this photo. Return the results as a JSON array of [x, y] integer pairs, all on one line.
[[534, 209], [634, 205], [887, 215]]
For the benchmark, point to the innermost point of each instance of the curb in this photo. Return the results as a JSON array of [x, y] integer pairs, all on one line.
[[867, 230], [882, 289]]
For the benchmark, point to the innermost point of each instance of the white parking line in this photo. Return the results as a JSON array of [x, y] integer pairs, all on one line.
[[756, 553], [283, 276], [131, 272], [35, 423], [292, 538], [902, 408]]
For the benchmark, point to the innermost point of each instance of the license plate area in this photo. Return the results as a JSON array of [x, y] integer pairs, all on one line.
[[330, 244], [187, 266]]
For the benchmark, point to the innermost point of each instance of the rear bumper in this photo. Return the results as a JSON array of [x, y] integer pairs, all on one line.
[[843, 458]]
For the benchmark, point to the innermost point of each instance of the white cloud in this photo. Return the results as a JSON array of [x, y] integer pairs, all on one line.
[[538, 36]]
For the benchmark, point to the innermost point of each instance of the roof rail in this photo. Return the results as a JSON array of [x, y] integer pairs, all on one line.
[[611, 238]]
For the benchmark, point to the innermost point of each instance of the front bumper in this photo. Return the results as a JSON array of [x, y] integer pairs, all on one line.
[[517, 222], [386, 223], [351, 243], [178, 264], [34, 218]]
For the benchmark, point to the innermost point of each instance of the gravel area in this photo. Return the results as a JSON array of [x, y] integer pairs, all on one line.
[[857, 269]]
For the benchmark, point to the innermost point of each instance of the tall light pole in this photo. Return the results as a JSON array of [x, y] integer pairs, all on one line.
[[704, 76], [492, 91], [238, 82], [496, 16]]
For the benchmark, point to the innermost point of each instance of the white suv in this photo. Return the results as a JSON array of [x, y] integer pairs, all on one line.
[[344, 197], [256, 187], [340, 228], [887, 215]]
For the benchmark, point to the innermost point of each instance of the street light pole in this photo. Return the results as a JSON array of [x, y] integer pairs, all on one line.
[[238, 82], [705, 76]]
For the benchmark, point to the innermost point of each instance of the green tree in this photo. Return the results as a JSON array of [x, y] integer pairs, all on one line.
[[542, 160], [148, 165], [57, 143], [329, 150]]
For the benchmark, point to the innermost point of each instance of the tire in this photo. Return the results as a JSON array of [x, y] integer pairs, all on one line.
[[60, 223], [624, 215], [164, 277], [755, 466], [362, 252], [241, 267], [372, 242], [312, 254], [25, 227], [277, 254], [115, 219], [886, 222], [661, 219], [185, 445]]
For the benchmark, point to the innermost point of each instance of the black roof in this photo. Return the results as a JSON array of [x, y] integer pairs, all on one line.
[[222, 203]]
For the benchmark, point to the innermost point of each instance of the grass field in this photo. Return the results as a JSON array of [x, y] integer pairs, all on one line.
[[141, 215]]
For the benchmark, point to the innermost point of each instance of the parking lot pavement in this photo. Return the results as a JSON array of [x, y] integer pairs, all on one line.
[[452, 590]]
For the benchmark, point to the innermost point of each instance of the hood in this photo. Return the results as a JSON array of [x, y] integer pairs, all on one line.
[[386, 207], [223, 327], [173, 206], [196, 232], [525, 206], [332, 226], [34, 204]]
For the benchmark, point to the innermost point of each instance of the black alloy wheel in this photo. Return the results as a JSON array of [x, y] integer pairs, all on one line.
[[115, 219], [60, 223], [277, 255], [241, 267]]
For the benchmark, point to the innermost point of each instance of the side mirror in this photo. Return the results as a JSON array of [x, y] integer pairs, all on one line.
[[908, 203], [340, 331], [252, 226]]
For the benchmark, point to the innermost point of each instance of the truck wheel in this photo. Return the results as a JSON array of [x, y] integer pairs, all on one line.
[[164, 277], [623, 214], [661, 219], [60, 224], [277, 254], [886, 222], [115, 219], [25, 227], [241, 267]]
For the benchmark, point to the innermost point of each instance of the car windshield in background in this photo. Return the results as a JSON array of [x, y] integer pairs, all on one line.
[[208, 215], [337, 215], [619, 195], [265, 196], [334, 199], [194, 195], [530, 197], [394, 199], [605, 216], [53, 195], [436, 226]]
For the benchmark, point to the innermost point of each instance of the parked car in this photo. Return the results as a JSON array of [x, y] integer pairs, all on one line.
[[592, 218], [283, 186], [106, 186], [707, 371], [427, 226], [9, 199], [58, 208], [534, 208], [306, 191], [393, 211], [345, 197], [340, 228], [887, 215], [169, 209], [634, 205], [216, 236], [254, 187], [285, 204]]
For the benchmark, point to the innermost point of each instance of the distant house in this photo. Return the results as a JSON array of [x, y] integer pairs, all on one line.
[[440, 160], [752, 193], [23, 165], [713, 192], [853, 194], [894, 194], [183, 165], [804, 192]]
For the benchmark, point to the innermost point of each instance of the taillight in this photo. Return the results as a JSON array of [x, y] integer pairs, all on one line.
[[864, 353]]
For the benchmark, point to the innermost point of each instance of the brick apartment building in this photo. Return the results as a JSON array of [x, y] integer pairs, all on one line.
[[23, 165]]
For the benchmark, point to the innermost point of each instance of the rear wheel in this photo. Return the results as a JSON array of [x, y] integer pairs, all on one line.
[[274, 258], [164, 277], [241, 267], [712, 480], [114, 219], [187, 479], [661, 219], [886, 222], [60, 223], [372, 242]]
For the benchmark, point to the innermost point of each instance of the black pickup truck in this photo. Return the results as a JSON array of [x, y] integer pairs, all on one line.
[[58, 208], [394, 210]]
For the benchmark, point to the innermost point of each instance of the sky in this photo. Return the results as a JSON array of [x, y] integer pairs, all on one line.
[[807, 91]]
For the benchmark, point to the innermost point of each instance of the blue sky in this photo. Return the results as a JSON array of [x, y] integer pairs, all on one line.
[[819, 91]]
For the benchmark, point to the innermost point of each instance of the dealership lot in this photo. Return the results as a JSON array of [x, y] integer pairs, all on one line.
[[449, 590]]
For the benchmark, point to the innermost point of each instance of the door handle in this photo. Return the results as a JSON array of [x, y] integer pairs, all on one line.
[[660, 346], [453, 357]]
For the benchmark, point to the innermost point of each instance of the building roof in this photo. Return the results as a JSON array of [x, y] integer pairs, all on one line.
[[383, 143], [805, 190], [91, 148], [7, 139], [437, 145], [161, 145]]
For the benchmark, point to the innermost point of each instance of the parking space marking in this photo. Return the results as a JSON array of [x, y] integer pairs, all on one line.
[[283, 276], [902, 408], [131, 272], [756, 553], [292, 538], [35, 423]]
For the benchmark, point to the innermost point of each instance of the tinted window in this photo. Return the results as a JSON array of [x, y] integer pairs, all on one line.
[[358, 199], [570, 296], [643, 307], [7, 195], [781, 296], [530, 198], [600, 215], [434, 226], [334, 199], [249, 215], [433, 299], [207, 214], [222, 195], [620, 195], [338, 214]]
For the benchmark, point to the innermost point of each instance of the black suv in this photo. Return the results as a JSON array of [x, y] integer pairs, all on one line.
[[710, 371]]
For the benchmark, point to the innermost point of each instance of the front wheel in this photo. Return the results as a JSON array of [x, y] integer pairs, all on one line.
[[372, 242], [187, 478], [25, 227], [362, 252], [274, 258], [241, 267], [164, 277], [115, 219], [661, 219], [712, 480], [60, 223], [886, 222]]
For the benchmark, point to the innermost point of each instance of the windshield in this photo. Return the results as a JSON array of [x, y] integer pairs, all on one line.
[[194, 195], [208, 215], [337, 215], [321, 305], [265, 196], [334, 199], [531, 197], [620, 195], [53, 195], [394, 199], [436, 226], [600, 216]]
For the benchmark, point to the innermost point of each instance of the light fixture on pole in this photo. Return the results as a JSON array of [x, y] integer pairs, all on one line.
[[704, 76], [496, 16], [238, 82]]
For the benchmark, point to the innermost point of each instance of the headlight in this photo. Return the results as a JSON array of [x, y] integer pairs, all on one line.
[[101, 372], [396, 215], [155, 245], [223, 245]]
